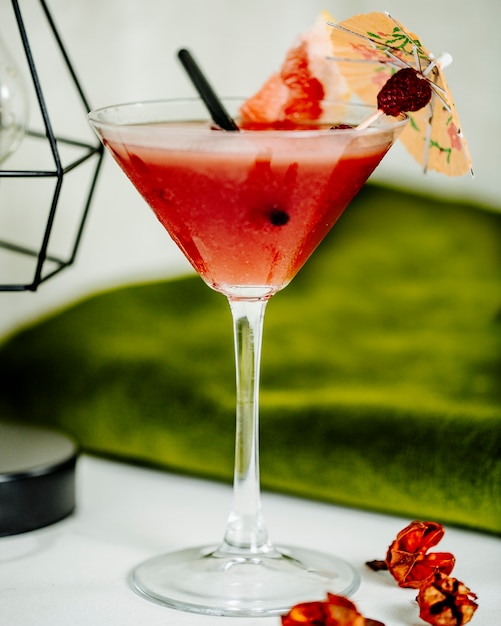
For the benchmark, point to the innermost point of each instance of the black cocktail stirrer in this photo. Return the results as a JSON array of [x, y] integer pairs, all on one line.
[[217, 111]]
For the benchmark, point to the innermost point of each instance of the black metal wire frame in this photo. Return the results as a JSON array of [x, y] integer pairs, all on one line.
[[90, 150]]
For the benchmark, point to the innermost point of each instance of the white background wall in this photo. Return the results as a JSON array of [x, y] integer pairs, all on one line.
[[124, 50]]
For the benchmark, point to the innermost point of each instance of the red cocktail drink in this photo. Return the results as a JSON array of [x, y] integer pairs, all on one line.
[[248, 208]]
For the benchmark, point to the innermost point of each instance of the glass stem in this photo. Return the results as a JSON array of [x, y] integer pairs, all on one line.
[[246, 530]]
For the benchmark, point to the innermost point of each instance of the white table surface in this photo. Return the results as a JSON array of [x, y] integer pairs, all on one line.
[[74, 573]]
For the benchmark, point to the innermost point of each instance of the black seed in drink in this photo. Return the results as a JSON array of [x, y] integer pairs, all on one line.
[[279, 217]]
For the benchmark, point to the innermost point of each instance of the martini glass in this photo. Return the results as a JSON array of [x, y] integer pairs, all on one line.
[[247, 209]]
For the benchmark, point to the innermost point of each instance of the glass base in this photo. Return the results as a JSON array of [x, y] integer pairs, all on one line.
[[214, 582]]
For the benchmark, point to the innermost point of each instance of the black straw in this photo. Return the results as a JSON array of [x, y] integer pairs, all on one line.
[[217, 111]]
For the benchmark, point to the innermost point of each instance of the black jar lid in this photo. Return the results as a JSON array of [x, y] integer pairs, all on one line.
[[37, 477]]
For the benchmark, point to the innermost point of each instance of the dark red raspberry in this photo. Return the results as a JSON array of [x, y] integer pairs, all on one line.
[[404, 91]]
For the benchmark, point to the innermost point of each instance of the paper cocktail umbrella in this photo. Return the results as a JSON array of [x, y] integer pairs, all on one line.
[[369, 49]]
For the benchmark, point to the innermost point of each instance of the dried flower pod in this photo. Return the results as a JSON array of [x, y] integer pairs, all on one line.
[[408, 560], [334, 611], [445, 601]]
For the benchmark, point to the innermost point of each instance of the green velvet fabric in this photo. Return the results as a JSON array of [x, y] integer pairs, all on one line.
[[381, 368]]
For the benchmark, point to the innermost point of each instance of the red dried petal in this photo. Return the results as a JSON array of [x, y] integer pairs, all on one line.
[[311, 613], [405, 91], [335, 599], [446, 601], [334, 611], [442, 562], [400, 565], [419, 536], [342, 612]]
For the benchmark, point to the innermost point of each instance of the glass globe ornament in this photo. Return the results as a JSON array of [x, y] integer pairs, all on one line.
[[13, 104]]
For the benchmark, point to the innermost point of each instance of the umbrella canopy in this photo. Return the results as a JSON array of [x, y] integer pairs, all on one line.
[[369, 49]]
